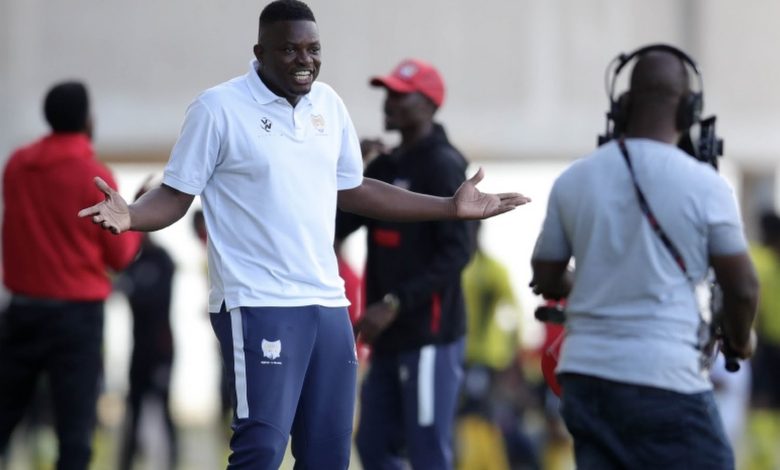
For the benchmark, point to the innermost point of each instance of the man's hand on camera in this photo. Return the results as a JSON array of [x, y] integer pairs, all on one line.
[[747, 350]]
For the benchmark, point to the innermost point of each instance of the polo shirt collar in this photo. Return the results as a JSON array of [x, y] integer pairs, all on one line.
[[259, 91]]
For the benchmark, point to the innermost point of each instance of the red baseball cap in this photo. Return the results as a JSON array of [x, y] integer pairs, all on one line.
[[414, 75]]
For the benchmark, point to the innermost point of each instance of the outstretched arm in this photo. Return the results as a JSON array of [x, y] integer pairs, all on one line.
[[156, 209], [380, 200]]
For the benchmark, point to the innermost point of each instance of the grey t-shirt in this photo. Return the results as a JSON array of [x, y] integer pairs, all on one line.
[[632, 316]]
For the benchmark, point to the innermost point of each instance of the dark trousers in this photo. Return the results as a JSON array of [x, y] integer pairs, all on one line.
[[149, 380], [765, 386], [622, 426], [62, 340], [407, 408]]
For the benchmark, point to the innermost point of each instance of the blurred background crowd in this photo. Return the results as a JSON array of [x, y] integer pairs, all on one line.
[[525, 98]]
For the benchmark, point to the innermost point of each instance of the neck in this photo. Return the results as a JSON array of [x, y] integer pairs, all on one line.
[[655, 134], [293, 100], [655, 123], [653, 129], [412, 135], [71, 134]]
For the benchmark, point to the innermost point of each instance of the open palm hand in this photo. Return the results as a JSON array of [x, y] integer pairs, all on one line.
[[470, 203]]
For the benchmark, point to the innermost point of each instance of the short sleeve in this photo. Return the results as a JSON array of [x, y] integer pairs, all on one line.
[[552, 244], [725, 234], [196, 152], [350, 164]]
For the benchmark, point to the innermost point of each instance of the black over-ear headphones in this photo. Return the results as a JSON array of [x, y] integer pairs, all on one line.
[[689, 109]]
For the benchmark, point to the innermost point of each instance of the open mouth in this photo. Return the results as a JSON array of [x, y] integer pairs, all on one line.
[[303, 77]]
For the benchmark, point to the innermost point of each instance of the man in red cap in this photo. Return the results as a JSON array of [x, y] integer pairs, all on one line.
[[415, 314]]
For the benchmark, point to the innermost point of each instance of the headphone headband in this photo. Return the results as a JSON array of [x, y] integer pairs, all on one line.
[[623, 59], [626, 58]]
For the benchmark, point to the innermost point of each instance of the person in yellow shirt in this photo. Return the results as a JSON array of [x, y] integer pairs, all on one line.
[[765, 394], [488, 418], [492, 312]]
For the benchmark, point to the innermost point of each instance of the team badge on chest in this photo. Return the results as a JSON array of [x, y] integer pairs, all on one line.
[[318, 122]]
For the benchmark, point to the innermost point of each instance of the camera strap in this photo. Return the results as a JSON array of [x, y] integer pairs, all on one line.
[[708, 342], [676, 255]]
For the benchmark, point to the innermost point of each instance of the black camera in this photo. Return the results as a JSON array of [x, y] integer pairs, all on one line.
[[707, 147], [717, 338]]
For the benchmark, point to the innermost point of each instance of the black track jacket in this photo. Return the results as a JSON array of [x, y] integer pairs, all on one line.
[[421, 262]]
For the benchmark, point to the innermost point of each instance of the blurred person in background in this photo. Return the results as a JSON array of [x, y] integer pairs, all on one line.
[[764, 420], [354, 285], [732, 395], [272, 154], [636, 391], [148, 283], [56, 267], [225, 402], [353, 290], [414, 320], [370, 148], [494, 396]]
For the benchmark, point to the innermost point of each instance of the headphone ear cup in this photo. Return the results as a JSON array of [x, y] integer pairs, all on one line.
[[620, 110], [689, 111]]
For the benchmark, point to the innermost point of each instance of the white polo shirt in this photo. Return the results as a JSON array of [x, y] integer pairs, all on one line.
[[268, 176]]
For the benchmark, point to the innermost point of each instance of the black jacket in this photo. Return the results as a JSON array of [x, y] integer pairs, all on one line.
[[420, 262]]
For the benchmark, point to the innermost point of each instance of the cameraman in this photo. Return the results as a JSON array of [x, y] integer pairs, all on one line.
[[635, 392]]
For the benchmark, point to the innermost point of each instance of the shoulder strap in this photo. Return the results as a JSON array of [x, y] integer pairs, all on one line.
[[649, 213]]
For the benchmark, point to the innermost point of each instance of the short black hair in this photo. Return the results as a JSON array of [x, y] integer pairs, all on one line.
[[66, 107], [286, 10]]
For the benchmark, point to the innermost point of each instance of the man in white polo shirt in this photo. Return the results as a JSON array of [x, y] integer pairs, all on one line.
[[272, 154]]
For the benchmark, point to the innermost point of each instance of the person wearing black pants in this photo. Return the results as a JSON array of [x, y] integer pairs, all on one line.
[[56, 266], [62, 340], [147, 283], [415, 318]]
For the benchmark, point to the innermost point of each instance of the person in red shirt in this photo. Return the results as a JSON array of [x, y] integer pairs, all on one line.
[[354, 290], [56, 267]]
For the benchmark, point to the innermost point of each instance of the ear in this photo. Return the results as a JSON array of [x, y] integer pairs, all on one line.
[[432, 108], [259, 50]]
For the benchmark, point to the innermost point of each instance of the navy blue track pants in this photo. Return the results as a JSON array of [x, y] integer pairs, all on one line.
[[292, 372], [407, 408]]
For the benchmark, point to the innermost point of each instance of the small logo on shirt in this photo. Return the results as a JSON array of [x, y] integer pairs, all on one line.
[[271, 350], [318, 122], [266, 123]]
